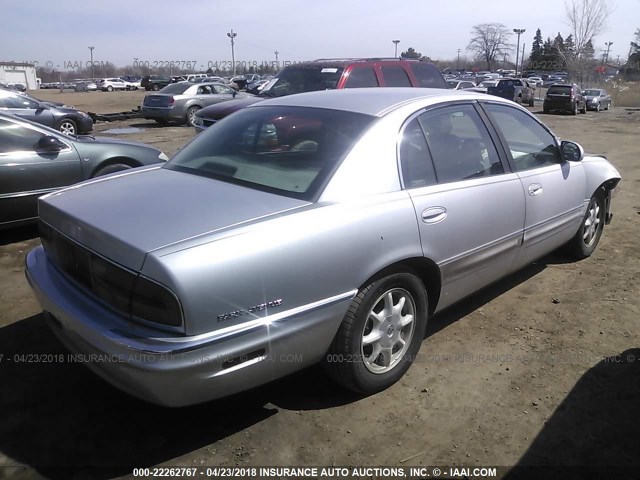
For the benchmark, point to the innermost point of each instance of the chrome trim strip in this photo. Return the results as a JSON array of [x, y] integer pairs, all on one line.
[[176, 345]]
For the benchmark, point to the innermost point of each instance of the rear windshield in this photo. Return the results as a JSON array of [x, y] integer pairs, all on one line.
[[176, 88], [289, 151], [592, 93], [559, 90], [303, 78]]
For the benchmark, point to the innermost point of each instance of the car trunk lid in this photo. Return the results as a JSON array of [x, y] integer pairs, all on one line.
[[126, 215]]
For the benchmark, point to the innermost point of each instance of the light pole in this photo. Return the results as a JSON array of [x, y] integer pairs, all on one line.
[[518, 31], [606, 58], [277, 64], [396, 42], [93, 75], [458, 63], [233, 35]]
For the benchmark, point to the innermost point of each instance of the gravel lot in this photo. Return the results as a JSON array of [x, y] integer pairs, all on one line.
[[542, 368]]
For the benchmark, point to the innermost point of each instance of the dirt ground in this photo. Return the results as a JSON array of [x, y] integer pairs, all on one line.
[[542, 368]]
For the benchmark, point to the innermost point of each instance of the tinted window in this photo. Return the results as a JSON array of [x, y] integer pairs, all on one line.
[[415, 161], [593, 93], [362, 77], [17, 101], [428, 75], [459, 143], [529, 143], [303, 78], [285, 150], [16, 138], [559, 90], [176, 88], [395, 76]]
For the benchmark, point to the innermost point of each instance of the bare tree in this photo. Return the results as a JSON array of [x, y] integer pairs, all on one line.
[[490, 42], [586, 19]]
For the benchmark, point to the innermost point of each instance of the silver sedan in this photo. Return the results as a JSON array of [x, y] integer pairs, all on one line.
[[321, 227], [180, 101]]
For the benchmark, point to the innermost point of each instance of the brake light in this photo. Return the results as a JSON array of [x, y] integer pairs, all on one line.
[[171, 101]]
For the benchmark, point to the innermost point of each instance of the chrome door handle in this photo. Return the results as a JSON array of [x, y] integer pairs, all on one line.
[[535, 189], [434, 214]]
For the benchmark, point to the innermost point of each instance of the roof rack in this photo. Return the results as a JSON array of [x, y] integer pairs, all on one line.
[[361, 59]]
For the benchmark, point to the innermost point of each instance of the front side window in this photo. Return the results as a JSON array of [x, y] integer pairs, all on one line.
[[395, 76], [529, 143], [459, 144], [362, 77], [289, 151], [16, 138], [221, 89]]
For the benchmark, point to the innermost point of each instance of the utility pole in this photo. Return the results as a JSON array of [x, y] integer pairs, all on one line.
[[458, 64], [606, 58], [277, 64], [522, 60], [93, 75], [396, 42], [518, 31], [232, 35]]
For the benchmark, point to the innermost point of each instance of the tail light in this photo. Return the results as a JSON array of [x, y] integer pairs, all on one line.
[[171, 101]]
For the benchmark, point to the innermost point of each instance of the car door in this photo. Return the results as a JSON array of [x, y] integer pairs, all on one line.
[[26, 172], [554, 189], [221, 93], [26, 108], [470, 209]]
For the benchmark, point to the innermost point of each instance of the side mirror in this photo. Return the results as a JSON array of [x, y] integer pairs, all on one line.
[[50, 144], [571, 151]]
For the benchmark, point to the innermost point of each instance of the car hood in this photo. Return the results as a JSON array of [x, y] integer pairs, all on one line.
[[65, 110], [126, 215], [223, 109], [91, 140]]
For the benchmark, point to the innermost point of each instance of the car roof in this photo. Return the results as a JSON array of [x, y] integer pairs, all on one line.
[[373, 101]]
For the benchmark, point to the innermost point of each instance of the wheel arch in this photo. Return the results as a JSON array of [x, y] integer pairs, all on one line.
[[114, 161], [424, 268]]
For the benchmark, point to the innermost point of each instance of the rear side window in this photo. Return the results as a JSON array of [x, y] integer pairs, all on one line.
[[428, 75], [362, 77], [395, 76]]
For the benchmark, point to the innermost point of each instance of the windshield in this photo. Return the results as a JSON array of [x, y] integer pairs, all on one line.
[[592, 93], [289, 151], [302, 78], [559, 90]]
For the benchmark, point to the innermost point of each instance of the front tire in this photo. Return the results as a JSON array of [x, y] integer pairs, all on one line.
[[68, 126], [586, 239], [116, 167], [380, 334]]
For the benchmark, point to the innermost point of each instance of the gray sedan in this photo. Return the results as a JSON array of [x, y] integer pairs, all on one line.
[[321, 227], [179, 102], [35, 160], [597, 99], [67, 120]]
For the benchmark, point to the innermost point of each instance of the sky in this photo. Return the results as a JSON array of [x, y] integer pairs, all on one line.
[[59, 33]]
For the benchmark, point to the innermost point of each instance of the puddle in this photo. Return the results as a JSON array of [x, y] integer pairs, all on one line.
[[119, 131]]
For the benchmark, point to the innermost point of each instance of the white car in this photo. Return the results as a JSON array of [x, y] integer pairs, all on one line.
[[111, 84], [537, 81]]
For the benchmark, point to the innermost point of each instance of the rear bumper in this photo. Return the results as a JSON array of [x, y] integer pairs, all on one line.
[[164, 113], [178, 371]]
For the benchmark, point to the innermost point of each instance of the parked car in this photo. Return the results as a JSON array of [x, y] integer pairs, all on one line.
[[131, 82], [537, 81], [514, 89], [483, 86], [332, 74], [155, 82], [565, 98], [81, 85], [597, 99], [321, 227], [179, 102], [111, 84], [35, 160], [460, 84], [67, 120]]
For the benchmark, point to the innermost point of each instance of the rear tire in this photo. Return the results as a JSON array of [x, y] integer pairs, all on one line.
[[532, 102], [588, 235], [380, 334], [584, 109], [155, 87], [575, 109], [191, 115], [109, 88]]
